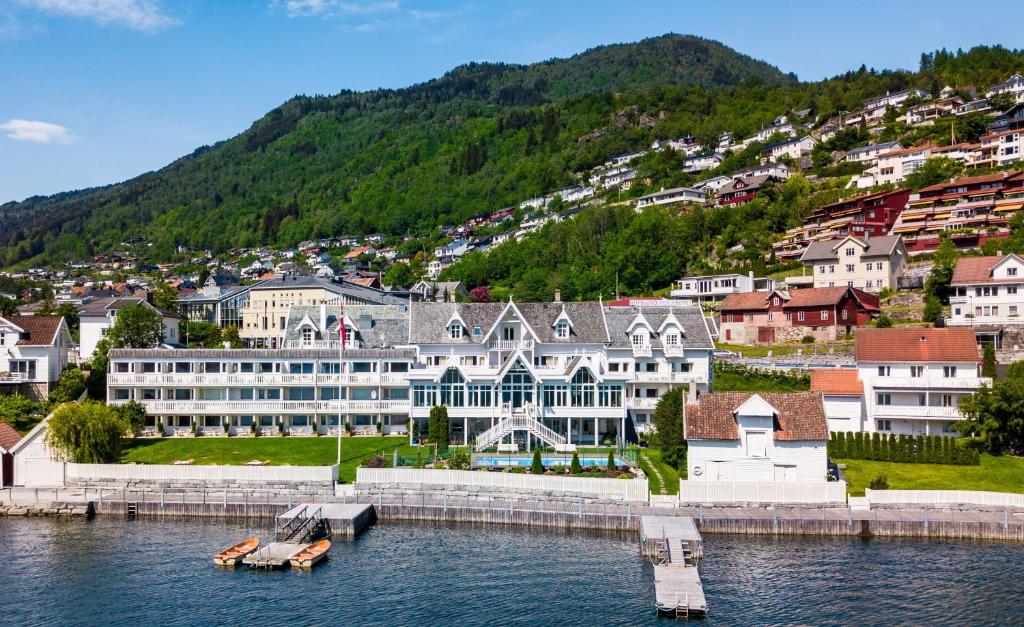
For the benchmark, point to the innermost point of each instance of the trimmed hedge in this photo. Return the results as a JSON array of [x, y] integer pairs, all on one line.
[[903, 448]]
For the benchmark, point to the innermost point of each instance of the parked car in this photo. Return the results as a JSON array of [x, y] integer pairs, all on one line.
[[724, 354]]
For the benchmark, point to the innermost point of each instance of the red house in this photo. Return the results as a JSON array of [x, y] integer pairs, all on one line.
[[742, 189], [825, 313]]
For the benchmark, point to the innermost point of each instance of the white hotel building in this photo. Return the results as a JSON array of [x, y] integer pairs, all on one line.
[[563, 373]]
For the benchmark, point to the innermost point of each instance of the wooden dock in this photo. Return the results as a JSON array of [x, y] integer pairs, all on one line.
[[273, 555], [346, 519], [675, 546]]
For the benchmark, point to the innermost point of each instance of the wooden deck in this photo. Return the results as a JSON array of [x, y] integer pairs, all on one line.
[[273, 555], [675, 546]]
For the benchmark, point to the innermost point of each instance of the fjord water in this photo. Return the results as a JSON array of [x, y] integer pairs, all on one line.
[[114, 571]]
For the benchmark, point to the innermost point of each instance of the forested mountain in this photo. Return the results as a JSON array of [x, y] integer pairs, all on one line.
[[482, 137]]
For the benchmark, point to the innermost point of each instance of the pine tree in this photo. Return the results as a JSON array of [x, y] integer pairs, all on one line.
[[538, 463], [575, 467]]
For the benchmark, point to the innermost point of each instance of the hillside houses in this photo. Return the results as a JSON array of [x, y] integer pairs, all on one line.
[[871, 264], [794, 148], [1013, 86], [825, 313], [671, 196], [987, 294], [742, 189]]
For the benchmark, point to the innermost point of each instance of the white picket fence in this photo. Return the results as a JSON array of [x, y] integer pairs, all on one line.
[[782, 492], [941, 498], [619, 489], [164, 472]]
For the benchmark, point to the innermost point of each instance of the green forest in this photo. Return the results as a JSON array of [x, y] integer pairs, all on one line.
[[482, 137]]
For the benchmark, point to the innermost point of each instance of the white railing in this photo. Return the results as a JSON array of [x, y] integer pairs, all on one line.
[[944, 498], [14, 377], [641, 350], [218, 379], [930, 383], [166, 472], [518, 422], [163, 407], [642, 403], [915, 411], [668, 377], [807, 493], [970, 322], [510, 345], [335, 344], [673, 350], [615, 489]]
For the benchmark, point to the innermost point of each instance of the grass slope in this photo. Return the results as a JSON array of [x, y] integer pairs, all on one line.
[[733, 382], [994, 474], [650, 458], [275, 451]]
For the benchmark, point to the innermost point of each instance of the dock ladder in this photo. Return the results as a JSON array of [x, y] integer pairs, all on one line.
[[306, 526]]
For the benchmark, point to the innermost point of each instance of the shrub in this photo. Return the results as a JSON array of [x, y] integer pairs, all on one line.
[[611, 461], [377, 461], [459, 460], [575, 467], [133, 413], [881, 482], [437, 427], [883, 322], [807, 339], [538, 464]]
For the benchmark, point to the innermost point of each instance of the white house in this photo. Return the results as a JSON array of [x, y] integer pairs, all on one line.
[[35, 463], [1013, 86], [780, 171], [740, 436], [33, 353], [791, 148], [696, 289], [869, 263], [843, 393], [869, 154], [915, 378], [669, 196], [699, 163], [96, 318], [987, 291]]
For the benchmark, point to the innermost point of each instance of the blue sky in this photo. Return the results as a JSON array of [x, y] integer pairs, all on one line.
[[97, 91]]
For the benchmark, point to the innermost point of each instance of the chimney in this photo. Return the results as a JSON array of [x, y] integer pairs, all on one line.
[[558, 296], [323, 317], [999, 253]]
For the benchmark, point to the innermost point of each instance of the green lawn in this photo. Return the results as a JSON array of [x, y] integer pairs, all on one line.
[[275, 451], [735, 382], [994, 474], [652, 457]]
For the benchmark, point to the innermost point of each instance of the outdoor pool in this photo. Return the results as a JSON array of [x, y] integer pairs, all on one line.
[[547, 460]]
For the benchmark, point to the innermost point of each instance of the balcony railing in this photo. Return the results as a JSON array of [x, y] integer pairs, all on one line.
[[668, 377], [641, 350], [916, 411], [510, 345], [930, 383], [163, 407], [246, 379], [332, 344], [987, 320], [642, 403], [14, 377]]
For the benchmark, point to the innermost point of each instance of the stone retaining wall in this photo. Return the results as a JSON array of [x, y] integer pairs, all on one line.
[[278, 487], [484, 494], [45, 509]]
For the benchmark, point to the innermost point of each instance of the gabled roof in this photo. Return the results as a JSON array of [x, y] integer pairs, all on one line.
[[836, 382], [828, 250], [8, 437], [800, 415], [916, 345], [36, 330], [829, 296], [619, 319], [429, 321], [971, 270], [744, 183]]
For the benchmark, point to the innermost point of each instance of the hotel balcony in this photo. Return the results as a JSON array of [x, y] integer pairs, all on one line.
[[200, 407], [641, 350], [668, 377], [249, 379], [328, 344], [510, 345], [915, 411], [929, 383]]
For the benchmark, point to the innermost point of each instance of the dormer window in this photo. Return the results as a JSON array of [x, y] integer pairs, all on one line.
[[639, 339], [455, 331], [562, 329], [672, 339], [307, 335]]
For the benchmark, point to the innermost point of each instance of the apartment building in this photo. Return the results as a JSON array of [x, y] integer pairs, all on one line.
[[871, 263], [1014, 86], [265, 314], [1000, 148], [972, 209], [894, 166], [914, 378], [561, 373], [863, 216]]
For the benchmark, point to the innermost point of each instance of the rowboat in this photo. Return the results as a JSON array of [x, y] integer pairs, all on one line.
[[233, 554], [311, 555]]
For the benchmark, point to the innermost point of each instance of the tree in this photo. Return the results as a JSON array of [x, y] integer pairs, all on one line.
[[8, 307], [996, 416], [1016, 370], [988, 361], [538, 464], [165, 297], [934, 170], [20, 412], [200, 334], [96, 382], [133, 414], [70, 315], [437, 427], [86, 433], [69, 387], [136, 326], [480, 294], [230, 335], [668, 421], [574, 466], [611, 461], [932, 310]]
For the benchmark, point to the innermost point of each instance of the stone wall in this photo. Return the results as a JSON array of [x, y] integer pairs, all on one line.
[[45, 509], [415, 492], [197, 486], [786, 335]]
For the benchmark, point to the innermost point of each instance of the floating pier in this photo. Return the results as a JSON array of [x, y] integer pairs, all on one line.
[[274, 555], [675, 546], [344, 519]]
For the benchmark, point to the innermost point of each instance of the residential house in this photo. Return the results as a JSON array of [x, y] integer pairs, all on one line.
[[701, 162], [440, 291], [96, 317], [927, 112], [774, 169], [697, 289], [894, 99], [987, 294], [216, 305], [824, 313], [894, 166], [8, 438], [742, 190], [871, 263], [869, 154], [1011, 119], [974, 209], [757, 437], [575, 193], [712, 185], [1014, 86], [843, 394], [790, 148], [670, 196], [999, 149], [914, 378], [33, 353]]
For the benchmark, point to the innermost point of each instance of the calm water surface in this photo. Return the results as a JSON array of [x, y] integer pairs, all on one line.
[[158, 572]]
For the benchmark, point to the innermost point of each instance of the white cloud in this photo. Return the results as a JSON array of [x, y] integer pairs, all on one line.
[[309, 8], [37, 132], [142, 15]]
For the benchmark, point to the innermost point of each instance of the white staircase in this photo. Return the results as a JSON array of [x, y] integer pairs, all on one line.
[[520, 419]]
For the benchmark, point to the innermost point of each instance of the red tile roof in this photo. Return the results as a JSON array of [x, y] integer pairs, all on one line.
[[8, 436], [744, 301], [836, 382], [801, 416], [971, 180], [40, 330], [827, 296], [916, 344]]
